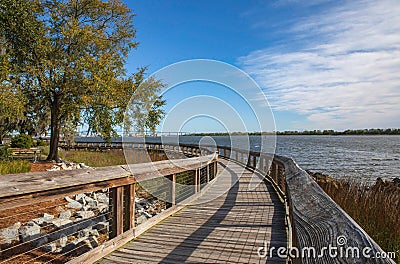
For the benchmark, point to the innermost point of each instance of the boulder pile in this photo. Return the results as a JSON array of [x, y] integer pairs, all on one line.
[[65, 165], [74, 227]]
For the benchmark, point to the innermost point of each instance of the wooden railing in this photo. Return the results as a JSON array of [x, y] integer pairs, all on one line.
[[96, 207], [314, 220]]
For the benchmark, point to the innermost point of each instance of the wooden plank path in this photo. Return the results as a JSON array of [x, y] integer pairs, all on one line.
[[215, 228]]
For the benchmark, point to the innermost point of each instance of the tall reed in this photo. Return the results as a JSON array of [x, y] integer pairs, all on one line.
[[374, 207]]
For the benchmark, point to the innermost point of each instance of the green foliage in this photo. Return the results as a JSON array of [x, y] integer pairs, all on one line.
[[40, 143], [4, 155], [22, 141], [68, 58], [155, 115], [15, 166]]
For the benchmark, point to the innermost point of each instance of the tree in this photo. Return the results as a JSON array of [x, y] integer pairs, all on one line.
[[155, 115], [11, 109], [71, 56], [12, 101]]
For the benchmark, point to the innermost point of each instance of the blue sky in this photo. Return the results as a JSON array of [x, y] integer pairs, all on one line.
[[322, 64]]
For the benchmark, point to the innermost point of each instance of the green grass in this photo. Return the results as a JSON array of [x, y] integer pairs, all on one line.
[[107, 157], [375, 208], [94, 158], [15, 166]]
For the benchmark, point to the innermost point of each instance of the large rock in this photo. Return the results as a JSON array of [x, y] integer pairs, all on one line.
[[16, 225], [80, 198], [8, 235], [43, 220], [102, 198], [29, 232], [85, 214], [90, 202], [74, 205], [65, 214], [68, 199]]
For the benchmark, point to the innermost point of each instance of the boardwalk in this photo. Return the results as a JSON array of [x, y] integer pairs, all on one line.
[[215, 228]]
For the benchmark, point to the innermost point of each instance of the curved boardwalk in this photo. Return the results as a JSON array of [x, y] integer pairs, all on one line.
[[215, 228]]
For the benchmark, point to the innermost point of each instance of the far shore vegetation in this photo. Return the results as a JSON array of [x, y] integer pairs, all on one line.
[[369, 131]]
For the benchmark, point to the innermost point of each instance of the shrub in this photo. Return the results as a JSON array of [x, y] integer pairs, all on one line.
[[21, 141], [15, 166], [40, 143], [4, 154]]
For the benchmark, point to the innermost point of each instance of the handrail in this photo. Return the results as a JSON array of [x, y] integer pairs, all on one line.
[[314, 220], [180, 181]]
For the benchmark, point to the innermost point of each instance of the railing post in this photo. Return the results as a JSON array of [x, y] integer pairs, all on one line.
[[215, 168], [129, 215], [275, 172], [172, 194], [255, 161], [224, 152], [208, 173], [236, 155], [196, 180], [116, 196]]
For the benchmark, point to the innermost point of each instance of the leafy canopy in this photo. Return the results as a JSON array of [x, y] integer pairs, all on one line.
[[68, 60]]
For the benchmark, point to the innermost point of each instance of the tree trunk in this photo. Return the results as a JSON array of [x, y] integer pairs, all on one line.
[[54, 129]]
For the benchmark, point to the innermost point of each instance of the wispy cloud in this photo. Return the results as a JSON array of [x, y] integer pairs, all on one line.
[[346, 73]]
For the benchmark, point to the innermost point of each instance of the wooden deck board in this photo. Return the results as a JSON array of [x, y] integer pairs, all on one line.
[[228, 228]]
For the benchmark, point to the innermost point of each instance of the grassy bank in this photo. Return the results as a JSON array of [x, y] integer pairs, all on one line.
[[108, 157], [375, 208], [94, 158], [14, 166]]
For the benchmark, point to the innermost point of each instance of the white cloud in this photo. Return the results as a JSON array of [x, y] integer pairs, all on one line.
[[347, 73]]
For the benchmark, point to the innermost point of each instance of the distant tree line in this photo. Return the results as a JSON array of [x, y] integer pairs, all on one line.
[[328, 132], [370, 131]]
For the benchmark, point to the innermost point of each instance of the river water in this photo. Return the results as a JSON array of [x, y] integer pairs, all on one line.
[[366, 157]]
